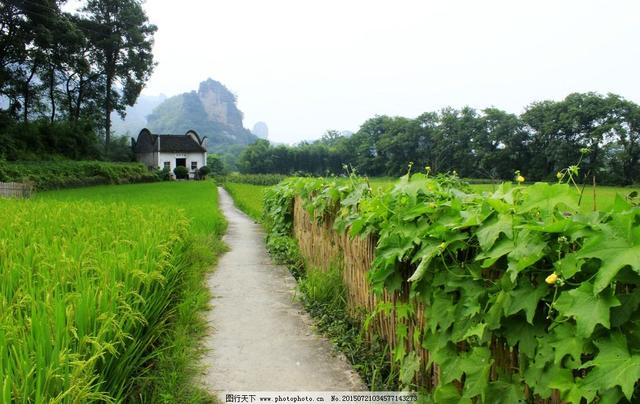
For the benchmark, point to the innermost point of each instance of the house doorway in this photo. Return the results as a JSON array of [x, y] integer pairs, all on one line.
[[181, 162]]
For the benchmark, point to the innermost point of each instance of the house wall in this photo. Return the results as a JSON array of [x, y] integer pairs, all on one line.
[[148, 159], [200, 158]]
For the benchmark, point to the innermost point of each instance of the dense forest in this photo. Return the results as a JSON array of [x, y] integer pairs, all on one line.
[[602, 132], [63, 74]]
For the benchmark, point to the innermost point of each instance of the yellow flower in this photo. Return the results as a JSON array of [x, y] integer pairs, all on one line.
[[520, 179], [559, 175], [551, 279], [443, 245]]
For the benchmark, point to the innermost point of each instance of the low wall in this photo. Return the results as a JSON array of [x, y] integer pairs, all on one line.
[[15, 190]]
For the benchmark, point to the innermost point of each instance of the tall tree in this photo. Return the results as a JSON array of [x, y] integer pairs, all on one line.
[[123, 37]]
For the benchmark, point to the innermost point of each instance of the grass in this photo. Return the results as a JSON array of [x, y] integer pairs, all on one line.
[[248, 198], [101, 292], [324, 296]]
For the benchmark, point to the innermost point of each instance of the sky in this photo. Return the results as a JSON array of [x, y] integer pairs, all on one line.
[[304, 67]]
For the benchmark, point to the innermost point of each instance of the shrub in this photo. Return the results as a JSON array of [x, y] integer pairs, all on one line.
[[203, 172], [181, 172], [66, 174]]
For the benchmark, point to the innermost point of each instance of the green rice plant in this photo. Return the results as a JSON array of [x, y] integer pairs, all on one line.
[[254, 179], [249, 198], [95, 283]]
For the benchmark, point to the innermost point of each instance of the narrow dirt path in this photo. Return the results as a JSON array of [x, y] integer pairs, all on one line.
[[262, 339]]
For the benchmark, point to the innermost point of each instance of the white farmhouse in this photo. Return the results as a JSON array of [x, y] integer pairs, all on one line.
[[171, 151]]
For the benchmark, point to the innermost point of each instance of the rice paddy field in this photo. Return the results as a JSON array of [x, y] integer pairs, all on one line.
[[93, 298], [248, 198]]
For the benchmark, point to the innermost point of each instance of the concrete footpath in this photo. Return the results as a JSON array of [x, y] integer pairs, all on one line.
[[261, 339]]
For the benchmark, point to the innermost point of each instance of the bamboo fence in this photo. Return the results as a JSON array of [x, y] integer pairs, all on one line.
[[323, 247]]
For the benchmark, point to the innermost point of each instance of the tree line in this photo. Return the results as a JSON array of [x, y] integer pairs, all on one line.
[[62, 74], [602, 132]]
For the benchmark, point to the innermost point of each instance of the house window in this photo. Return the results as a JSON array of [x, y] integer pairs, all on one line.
[[167, 165], [194, 165]]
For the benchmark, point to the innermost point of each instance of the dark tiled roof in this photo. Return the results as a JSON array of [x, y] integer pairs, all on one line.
[[182, 144]]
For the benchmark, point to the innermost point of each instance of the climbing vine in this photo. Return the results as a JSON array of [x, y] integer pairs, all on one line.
[[524, 265]]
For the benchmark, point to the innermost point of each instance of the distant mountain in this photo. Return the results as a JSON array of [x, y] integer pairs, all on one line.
[[136, 117], [261, 130], [211, 111]]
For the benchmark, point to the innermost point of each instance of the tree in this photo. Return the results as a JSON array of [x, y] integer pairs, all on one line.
[[122, 38]]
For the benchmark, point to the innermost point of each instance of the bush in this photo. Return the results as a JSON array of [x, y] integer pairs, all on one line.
[[203, 172], [163, 175], [67, 174], [181, 172]]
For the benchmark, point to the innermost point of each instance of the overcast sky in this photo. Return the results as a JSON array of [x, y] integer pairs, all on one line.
[[304, 67]]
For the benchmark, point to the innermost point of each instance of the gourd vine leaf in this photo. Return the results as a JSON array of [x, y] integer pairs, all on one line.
[[529, 249], [503, 247], [547, 197], [564, 342], [613, 366], [616, 247], [410, 365], [526, 298], [524, 334], [449, 394], [501, 392], [425, 255], [489, 232], [544, 379], [587, 309], [477, 365]]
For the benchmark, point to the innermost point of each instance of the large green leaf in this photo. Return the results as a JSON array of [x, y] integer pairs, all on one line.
[[546, 197], [489, 232], [587, 309], [501, 392], [529, 249], [613, 366], [526, 298], [616, 247], [564, 342], [503, 247], [544, 380]]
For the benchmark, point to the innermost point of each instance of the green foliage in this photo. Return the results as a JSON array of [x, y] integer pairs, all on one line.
[[72, 69], [203, 172], [45, 140], [548, 137], [169, 373], [65, 174], [520, 264], [181, 172], [103, 294], [249, 198], [215, 164], [323, 295]]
